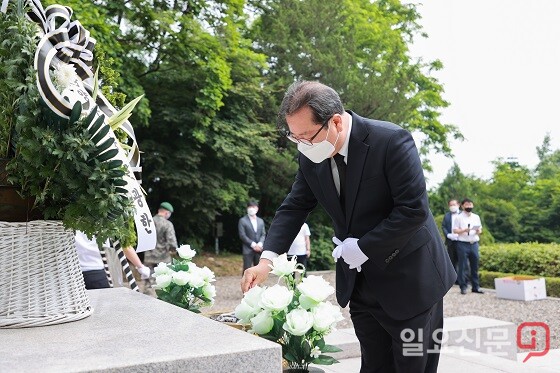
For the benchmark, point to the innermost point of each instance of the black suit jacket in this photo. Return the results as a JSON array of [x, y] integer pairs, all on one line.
[[386, 208], [446, 226], [247, 234]]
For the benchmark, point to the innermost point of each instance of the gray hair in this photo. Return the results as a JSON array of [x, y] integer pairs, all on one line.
[[323, 101]]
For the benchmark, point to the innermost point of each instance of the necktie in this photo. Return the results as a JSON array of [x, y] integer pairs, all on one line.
[[341, 166]]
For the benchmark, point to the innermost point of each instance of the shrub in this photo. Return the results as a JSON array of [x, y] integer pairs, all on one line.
[[522, 258], [321, 249]]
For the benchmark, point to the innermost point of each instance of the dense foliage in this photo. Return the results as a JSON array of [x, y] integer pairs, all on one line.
[[214, 72], [526, 258], [517, 204]]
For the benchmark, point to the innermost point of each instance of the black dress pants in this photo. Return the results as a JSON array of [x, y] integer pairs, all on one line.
[[389, 345], [96, 279]]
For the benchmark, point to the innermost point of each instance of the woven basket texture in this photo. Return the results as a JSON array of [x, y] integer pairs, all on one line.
[[40, 278]]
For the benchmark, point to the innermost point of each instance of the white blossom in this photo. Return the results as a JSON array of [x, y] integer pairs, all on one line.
[[315, 352], [314, 289], [181, 278], [281, 266], [325, 316], [186, 252], [162, 269], [163, 281], [298, 322], [262, 323], [276, 298], [253, 296], [64, 75], [244, 311], [209, 291]]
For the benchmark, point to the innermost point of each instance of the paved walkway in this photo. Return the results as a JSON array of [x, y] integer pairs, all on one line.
[[453, 359]]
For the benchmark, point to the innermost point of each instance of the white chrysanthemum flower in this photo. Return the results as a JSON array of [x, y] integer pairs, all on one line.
[[64, 75]]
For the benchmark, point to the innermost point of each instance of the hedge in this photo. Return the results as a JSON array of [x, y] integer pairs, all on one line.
[[487, 281], [521, 258]]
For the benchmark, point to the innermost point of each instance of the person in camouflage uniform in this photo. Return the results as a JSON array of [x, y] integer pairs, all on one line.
[[166, 240]]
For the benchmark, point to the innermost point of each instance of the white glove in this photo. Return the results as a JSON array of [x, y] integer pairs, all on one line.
[[337, 252], [350, 252], [144, 272], [452, 236]]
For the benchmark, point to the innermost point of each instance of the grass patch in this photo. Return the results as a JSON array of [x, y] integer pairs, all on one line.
[[224, 264]]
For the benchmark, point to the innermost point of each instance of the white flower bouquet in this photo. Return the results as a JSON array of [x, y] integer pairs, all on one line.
[[297, 315], [184, 284]]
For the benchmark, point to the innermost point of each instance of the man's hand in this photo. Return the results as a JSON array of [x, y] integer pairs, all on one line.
[[255, 275], [258, 248]]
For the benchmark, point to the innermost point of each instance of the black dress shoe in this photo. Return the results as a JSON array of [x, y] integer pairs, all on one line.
[[463, 291], [478, 291]]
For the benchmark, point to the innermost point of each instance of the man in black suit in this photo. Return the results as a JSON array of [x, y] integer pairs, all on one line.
[[392, 266], [251, 233], [447, 228]]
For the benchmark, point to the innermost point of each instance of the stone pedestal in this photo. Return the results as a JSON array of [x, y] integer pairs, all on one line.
[[132, 332]]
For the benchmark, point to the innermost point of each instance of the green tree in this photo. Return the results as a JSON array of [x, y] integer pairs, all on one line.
[[206, 139], [360, 48]]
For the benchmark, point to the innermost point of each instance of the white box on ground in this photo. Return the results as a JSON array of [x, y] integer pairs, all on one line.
[[520, 287]]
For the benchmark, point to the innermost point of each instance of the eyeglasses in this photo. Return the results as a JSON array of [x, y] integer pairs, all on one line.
[[286, 132]]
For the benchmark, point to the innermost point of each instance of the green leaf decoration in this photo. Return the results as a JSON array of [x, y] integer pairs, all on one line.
[[75, 113], [101, 134], [109, 154], [324, 360], [119, 118], [95, 84], [96, 125], [329, 348]]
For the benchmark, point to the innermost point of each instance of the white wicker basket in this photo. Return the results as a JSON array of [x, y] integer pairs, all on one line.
[[40, 278]]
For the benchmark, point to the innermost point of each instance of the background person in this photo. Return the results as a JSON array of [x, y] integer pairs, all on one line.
[[166, 239], [301, 247], [468, 227], [447, 228], [92, 266], [252, 234]]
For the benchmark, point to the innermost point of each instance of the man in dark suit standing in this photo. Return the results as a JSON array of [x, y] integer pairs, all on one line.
[[252, 233], [447, 228], [392, 266]]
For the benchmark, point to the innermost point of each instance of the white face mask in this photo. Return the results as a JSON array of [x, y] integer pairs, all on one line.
[[252, 211], [320, 151], [453, 208]]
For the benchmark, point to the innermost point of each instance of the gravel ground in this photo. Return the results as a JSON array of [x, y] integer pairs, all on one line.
[[455, 304]]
